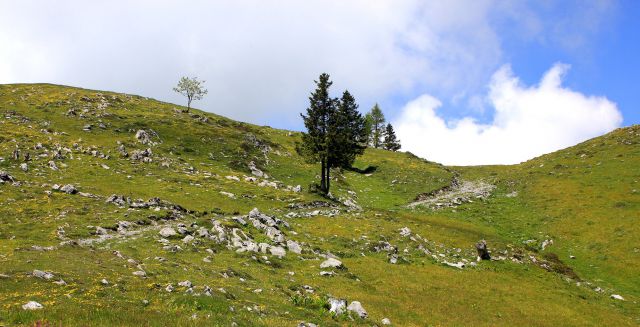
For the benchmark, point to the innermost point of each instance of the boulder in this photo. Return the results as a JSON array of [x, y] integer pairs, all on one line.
[[5, 177], [331, 263], [356, 307], [277, 251], [405, 231], [32, 305], [294, 247], [483, 252], [69, 189], [386, 321], [42, 274], [168, 232], [143, 137], [337, 306]]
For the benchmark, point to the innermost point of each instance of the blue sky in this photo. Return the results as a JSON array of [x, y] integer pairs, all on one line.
[[484, 78]]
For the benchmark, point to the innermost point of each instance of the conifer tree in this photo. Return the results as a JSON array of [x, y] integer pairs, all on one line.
[[315, 145], [348, 138], [377, 126], [390, 141]]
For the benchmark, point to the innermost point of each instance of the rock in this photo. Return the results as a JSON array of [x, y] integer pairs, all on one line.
[[104, 282], [277, 251], [294, 247], [297, 188], [405, 231], [483, 252], [143, 137], [337, 306], [24, 167], [545, 243], [42, 274], [331, 263], [5, 177], [227, 194], [168, 232], [356, 307], [32, 305], [617, 297], [327, 273], [386, 321], [187, 239], [69, 189], [307, 324], [169, 288], [53, 165], [255, 171], [101, 231], [140, 273], [186, 284]]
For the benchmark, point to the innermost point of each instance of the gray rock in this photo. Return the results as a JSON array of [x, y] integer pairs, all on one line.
[[143, 137], [32, 305], [168, 232], [42, 274], [337, 306], [186, 284], [277, 251], [386, 321], [617, 297], [140, 273], [24, 167], [331, 263], [5, 177], [187, 239], [294, 247], [405, 231], [356, 307], [69, 189]]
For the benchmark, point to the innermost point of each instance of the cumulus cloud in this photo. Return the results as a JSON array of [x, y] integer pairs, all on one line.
[[259, 58], [528, 121]]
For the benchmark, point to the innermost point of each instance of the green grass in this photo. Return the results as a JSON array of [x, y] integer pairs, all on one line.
[[586, 198]]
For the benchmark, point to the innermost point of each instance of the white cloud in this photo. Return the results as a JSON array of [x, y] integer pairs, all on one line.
[[528, 121], [259, 58]]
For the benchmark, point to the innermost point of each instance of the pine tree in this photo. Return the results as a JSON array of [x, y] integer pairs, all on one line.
[[315, 145], [377, 126], [348, 137], [390, 141]]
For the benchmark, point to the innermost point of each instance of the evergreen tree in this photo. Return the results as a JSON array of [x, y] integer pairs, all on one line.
[[348, 137], [315, 145], [377, 126], [368, 128], [390, 141]]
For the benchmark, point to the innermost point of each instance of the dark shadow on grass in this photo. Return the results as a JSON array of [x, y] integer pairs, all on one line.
[[368, 170]]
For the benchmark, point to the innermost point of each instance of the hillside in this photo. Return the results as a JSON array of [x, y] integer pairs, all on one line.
[[131, 211]]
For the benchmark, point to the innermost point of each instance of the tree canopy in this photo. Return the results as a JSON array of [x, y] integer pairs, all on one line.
[[191, 88]]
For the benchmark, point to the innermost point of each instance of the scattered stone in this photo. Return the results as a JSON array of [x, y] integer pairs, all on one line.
[[483, 252], [42, 274], [546, 243], [356, 307], [386, 321], [186, 284], [104, 282], [187, 239], [617, 297], [140, 273], [327, 273], [277, 251], [294, 247], [143, 137], [5, 177], [405, 231], [331, 263], [337, 306], [69, 189], [24, 167], [168, 232], [32, 305]]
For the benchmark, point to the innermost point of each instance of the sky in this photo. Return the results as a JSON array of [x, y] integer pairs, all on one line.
[[463, 82]]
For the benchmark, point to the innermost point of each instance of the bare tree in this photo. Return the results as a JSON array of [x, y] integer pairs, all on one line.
[[192, 88]]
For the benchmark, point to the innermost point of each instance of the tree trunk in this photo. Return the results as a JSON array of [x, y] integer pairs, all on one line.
[[328, 177], [322, 177]]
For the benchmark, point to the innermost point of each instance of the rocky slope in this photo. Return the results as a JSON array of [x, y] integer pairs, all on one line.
[[118, 209]]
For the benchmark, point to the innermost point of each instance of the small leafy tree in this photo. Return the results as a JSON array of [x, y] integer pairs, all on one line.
[[191, 88], [390, 141]]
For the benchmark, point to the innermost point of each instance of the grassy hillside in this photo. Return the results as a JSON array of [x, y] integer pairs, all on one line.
[[109, 264]]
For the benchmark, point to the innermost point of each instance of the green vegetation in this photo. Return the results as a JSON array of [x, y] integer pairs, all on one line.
[[585, 198]]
